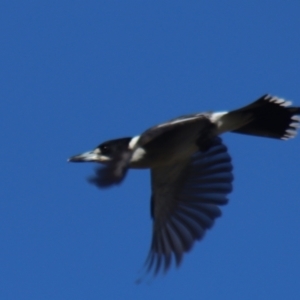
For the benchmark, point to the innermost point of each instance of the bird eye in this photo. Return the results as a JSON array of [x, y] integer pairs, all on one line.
[[105, 149]]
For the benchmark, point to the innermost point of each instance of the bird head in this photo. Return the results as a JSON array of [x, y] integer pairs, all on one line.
[[105, 152]]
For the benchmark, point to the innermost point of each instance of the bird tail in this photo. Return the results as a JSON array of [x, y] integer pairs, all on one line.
[[268, 116]]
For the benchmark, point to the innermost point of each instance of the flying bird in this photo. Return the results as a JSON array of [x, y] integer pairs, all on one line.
[[191, 170]]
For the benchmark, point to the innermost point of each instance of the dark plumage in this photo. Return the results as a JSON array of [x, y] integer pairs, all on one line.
[[191, 170]]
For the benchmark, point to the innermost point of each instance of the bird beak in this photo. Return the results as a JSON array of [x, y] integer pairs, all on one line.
[[89, 156]]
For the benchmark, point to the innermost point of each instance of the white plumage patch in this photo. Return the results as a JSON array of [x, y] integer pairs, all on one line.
[[133, 142], [138, 155]]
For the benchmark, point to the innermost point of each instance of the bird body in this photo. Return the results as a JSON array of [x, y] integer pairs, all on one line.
[[171, 143], [191, 170]]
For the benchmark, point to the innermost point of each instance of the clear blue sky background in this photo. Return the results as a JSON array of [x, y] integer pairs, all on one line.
[[76, 73]]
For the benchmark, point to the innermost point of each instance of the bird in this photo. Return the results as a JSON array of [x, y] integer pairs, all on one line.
[[191, 169]]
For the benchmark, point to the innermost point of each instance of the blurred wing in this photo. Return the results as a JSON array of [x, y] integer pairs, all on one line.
[[112, 173], [184, 203]]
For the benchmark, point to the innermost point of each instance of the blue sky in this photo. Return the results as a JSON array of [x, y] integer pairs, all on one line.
[[76, 73]]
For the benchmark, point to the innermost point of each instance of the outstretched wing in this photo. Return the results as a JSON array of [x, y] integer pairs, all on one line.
[[185, 201]]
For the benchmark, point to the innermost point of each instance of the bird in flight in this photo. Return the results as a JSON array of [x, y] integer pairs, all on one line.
[[191, 170]]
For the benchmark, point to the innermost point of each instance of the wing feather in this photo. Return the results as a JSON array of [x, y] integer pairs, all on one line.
[[185, 203]]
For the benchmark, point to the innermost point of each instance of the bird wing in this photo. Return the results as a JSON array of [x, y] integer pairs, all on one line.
[[184, 203], [113, 172]]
